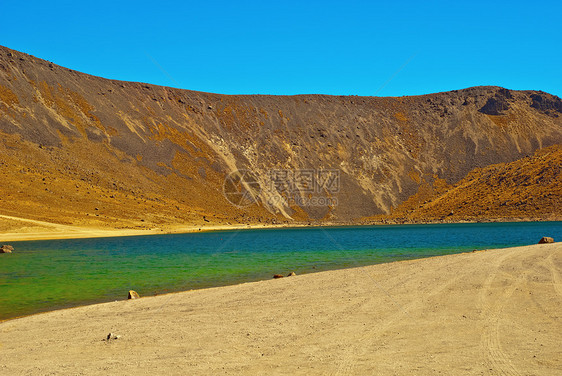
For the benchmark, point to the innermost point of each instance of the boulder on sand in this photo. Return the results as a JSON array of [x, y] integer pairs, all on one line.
[[277, 276], [133, 295], [291, 274], [6, 249], [546, 239]]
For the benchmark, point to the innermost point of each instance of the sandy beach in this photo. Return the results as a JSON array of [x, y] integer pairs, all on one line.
[[493, 312]]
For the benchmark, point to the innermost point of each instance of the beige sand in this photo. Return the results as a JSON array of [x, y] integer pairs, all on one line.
[[22, 229], [484, 313]]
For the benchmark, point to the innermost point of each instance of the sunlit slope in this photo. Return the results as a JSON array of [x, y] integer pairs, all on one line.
[[80, 149], [529, 188]]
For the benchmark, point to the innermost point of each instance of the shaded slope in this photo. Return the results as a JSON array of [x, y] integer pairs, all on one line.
[[145, 155]]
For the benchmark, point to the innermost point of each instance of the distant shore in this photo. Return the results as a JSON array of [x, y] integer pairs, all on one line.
[[486, 312], [42, 230]]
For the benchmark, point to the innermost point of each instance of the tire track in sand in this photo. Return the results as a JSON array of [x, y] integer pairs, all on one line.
[[346, 365], [497, 363], [556, 279]]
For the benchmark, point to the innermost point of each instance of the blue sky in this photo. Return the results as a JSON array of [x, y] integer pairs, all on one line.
[[297, 47]]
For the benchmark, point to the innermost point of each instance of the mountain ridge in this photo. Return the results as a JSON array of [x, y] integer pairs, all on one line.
[[19, 54], [174, 147]]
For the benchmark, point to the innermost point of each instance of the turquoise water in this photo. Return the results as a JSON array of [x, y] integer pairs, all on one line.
[[46, 275]]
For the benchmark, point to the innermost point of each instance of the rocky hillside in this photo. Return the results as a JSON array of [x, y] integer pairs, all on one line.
[[81, 149], [529, 188]]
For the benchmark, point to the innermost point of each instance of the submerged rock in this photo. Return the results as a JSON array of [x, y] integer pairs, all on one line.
[[133, 295], [546, 239], [6, 249]]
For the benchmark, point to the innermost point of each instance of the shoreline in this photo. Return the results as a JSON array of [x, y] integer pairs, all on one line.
[[61, 232], [242, 283], [492, 311]]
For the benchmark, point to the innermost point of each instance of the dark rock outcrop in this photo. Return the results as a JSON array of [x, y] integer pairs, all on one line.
[[498, 104], [546, 102]]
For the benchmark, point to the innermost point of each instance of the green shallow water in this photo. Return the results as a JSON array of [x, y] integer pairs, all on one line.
[[46, 275]]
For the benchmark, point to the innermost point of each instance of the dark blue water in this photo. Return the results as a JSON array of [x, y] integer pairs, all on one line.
[[45, 275]]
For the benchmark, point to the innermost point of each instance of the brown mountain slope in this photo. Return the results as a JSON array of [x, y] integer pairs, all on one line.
[[529, 188], [85, 150]]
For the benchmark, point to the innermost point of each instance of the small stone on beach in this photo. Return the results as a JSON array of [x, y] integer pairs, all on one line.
[[133, 295], [277, 276], [6, 249], [546, 239], [291, 274], [111, 336]]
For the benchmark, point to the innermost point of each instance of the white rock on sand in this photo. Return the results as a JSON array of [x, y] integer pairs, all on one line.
[[491, 312]]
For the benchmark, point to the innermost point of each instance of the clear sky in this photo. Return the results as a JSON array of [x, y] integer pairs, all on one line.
[[297, 47]]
